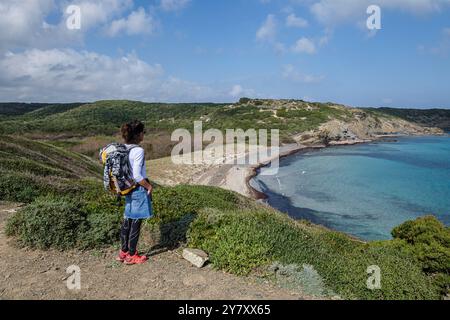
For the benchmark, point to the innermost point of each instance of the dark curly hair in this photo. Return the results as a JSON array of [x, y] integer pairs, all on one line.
[[131, 131]]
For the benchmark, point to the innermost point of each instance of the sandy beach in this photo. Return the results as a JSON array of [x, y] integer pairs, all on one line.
[[224, 174]]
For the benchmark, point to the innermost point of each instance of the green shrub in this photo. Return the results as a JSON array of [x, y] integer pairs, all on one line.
[[49, 222], [241, 241], [244, 100], [429, 241], [173, 203], [21, 187], [95, 220], [231, 240], [63, 223], [301, 278], [175, 208], [103, 220], [25, 187], [8, 163]]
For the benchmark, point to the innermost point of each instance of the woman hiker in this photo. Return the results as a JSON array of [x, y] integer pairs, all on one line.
[[138, 206]]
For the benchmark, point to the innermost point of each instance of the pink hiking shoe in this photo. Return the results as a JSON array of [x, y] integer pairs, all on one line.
[[122, 256], [136, 259]]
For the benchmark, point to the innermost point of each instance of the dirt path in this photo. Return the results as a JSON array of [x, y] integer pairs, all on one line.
[[34, 274]]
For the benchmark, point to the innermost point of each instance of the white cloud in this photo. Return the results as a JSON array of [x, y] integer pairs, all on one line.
[[268, 30], [174, 5], [19, 18], [237, 91], [26, 25], [99, 12], [138, 22], [67, 75], [267, 33], [22, 23], [293, 21], [290, 73], [332, 12], [304, 45]]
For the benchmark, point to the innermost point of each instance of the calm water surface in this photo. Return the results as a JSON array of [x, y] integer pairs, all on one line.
[[365, 190]]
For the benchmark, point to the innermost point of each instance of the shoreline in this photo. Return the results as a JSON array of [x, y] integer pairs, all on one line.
[[235, 177], [258, 195], [254, 171], [266, 195]]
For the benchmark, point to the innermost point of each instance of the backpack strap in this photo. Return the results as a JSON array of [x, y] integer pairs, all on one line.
[[132, 146]]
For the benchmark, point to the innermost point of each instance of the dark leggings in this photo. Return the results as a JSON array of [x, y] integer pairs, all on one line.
[[129, 235]]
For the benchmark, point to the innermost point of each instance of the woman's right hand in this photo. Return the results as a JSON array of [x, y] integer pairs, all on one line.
[[146, 184]]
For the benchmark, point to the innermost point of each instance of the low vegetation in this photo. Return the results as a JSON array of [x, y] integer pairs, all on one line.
[[431, 117], [84, 128], [240, 241], [16, 109], [239, 235], [31, 169], [67, 207], [66, 223], [429, 241], [105, 117]]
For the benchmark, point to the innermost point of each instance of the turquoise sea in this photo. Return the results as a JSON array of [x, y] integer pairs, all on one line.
[[364, 190]]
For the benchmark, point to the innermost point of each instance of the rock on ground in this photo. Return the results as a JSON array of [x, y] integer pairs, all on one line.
[[195, 256]]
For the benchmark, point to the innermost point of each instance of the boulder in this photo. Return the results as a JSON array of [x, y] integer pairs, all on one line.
[[195, 256]]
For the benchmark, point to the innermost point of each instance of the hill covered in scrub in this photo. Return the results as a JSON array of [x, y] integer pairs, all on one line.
[[241, 236], [297, 120], [431, 117], [31, 168], [17, 109]]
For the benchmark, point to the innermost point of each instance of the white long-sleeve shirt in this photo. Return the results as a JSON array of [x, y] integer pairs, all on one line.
[[137, 163]]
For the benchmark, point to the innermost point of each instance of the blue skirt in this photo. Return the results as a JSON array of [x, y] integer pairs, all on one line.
[[138, 204]]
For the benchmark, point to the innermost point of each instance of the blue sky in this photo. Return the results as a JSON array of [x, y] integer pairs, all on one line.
[[204, 50]]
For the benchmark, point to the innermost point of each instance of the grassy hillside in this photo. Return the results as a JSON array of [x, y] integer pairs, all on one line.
[[294, 118], [31, 168], [105, 117], [432, 117], [85, 128], [240, 235], [17, 109]]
